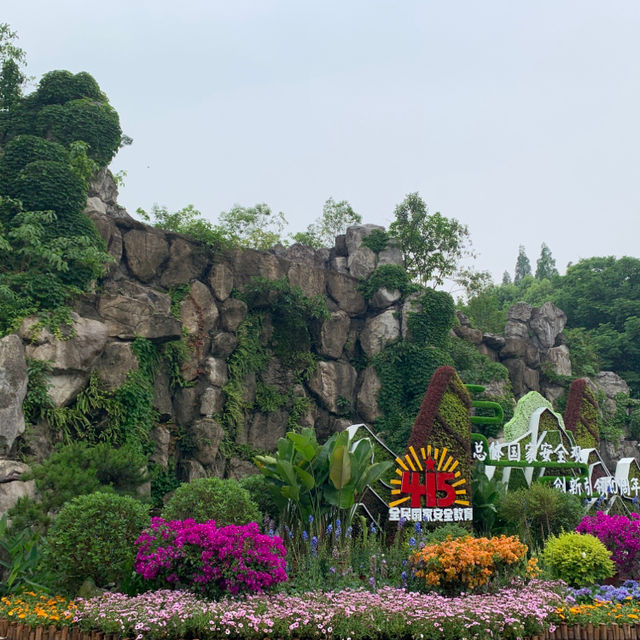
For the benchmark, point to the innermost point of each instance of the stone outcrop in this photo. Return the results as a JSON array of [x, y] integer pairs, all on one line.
[[531, 343], [165, 287], [12, 487], [13, 389]]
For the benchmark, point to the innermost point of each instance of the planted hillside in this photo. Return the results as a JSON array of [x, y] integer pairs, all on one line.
[[53, 141]]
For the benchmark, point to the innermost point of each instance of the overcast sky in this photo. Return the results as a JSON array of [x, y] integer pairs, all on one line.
[[518, 118]]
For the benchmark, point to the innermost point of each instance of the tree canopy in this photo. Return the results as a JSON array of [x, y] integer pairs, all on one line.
[[523, 266], [432, 244]]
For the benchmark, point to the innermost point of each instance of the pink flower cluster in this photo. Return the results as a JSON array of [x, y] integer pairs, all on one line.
[[620, 535], [211, 560], [515, 612]]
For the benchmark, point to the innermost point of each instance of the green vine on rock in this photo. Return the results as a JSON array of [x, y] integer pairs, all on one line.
[[122, 416]]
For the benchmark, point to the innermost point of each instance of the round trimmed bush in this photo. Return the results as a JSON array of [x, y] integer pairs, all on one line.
[[581, 560], [58, 87], [95, 123], [44, 185], [204, 499], [23, 150], [94, 537]]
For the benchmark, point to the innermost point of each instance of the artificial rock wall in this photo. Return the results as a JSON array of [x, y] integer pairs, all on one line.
[[133, 300]]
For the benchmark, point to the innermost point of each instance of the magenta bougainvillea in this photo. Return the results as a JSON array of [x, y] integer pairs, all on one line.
[[210, 560], [621, 536]]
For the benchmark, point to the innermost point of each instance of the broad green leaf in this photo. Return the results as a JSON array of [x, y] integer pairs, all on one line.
[[307, 478], [303, 445], [341, 499], [340, 469]]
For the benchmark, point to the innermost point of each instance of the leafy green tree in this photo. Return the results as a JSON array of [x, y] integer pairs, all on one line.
[[485, 312], [13, 60], [432, 244], [188, 221], [546, 264], [473, 282], [35, 263], [506, 278], [336, 217], [252, 227], [523, 266], [53, 140], [249, 227]]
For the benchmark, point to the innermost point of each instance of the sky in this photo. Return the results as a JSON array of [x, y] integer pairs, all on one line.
[[519, 119]]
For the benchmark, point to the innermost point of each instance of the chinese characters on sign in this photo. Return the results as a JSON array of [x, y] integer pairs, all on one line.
[[532, 453], [431, 487], [431, 515], [604, 486]]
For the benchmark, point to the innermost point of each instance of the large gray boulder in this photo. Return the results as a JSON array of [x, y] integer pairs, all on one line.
[[13, 389], [216, 371], [384, 298], [145, 251], [367, 401], [611, 384], [212, 401], [71, 359], [187, 262], [115, 363], [12, 488], [379, 331], [310, 279], [233, 312], [391, 254], [344, 290], [547, 322], [198, 311], [104, 187], [207, 435], [221, 280], [265, 430], [332, 381], [333, 335], [249, 263], [361, 262], [130, 310], [559, 359]]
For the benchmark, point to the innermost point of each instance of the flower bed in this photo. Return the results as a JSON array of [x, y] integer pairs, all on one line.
[[536, 611], [385, 613]]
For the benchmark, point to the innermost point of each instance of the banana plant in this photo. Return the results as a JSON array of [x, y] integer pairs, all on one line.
[[314, 484]]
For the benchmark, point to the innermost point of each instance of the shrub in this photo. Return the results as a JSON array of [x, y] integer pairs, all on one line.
[[78, 469], [620, 535], [214, 561], [468, 564], [93, 537], [223, 501], [579, 559], [538, 511], [441, 533]]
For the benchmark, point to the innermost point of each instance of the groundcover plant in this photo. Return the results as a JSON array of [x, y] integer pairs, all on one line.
[[357, 614]]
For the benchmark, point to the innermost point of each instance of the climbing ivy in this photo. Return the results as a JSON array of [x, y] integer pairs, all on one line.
[[432, 323], [405, 370], [122, 416], [54, 140], [581, 414], [277, 325]]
